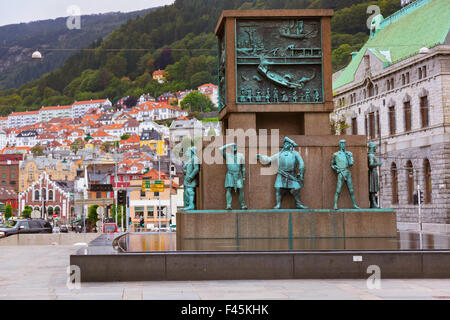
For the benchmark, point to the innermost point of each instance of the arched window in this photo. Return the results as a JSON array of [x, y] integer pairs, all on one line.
[[37, 208], [36, 195], [58, 211], [50, 195], [50, 211], [394, 183], [410, 177], [427, 174]]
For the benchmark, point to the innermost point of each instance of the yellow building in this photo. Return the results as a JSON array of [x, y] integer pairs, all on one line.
[[57, 170], [148, 205]]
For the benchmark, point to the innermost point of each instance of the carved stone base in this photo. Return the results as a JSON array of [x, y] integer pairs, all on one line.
[[284, 224]]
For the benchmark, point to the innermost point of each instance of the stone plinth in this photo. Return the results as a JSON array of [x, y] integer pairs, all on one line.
[[284, 224]]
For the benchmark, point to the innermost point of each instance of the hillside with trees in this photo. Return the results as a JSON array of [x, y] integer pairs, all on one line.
[[54, 39], [179, 39]]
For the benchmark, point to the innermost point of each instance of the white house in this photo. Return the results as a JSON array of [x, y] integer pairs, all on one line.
[[79, 108], [20, 119], [48, 113]]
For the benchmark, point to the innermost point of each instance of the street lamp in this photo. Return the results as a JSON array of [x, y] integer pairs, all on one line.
[[36, 55]]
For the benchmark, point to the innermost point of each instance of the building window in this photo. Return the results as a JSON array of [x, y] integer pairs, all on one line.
[[372, 125], [370, 89], [354, 126], [424, 71], [392, 83], [161, 211], [424, 111], [50, 195], [98, 195], [420, 73], [407, 77], [408, 119], [138, 212], [394, 183], [392, 120], [427, 174], [150, 212], [378, 124], [403, 79], [36, 195], [410, 173]]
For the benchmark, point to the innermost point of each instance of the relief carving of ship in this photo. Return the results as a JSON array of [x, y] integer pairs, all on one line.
[[295, 31], [286, 80]]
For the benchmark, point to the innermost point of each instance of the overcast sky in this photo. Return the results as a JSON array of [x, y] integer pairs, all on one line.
[[17, 11]]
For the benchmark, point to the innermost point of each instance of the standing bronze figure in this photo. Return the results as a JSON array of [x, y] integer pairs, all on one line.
[[235, 177], [190, 172], [341, 163], [373, 174], [289, 161]]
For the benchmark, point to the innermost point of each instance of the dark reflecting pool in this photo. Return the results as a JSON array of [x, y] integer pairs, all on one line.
[[160, 242]]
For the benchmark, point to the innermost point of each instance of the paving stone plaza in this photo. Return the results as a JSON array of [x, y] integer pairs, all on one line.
[[47, 280]]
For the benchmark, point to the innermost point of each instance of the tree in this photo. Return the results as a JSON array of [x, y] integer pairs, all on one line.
[[117, 65], [130, 102], [195, 101], [106, 146], [119, 214], [126, 136], [88, 137], [37, 151], [8, 211], [92, 215], [26, 213]]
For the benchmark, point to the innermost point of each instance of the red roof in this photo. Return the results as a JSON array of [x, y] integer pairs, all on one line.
[[89, 102], [158, 72], [24, 113], [56, 108]]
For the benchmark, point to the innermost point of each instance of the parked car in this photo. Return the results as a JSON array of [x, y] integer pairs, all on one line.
[[24, 226], [63, 228]]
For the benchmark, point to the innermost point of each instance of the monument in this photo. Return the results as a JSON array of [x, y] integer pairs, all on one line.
[[275, 99]]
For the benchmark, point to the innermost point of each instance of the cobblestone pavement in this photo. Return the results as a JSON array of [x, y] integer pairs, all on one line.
[[39, 272]]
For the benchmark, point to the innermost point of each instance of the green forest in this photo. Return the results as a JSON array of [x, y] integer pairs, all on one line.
[[178, 38]]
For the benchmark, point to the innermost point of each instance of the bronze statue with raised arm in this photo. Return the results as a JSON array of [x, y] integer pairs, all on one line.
[[290, 172]]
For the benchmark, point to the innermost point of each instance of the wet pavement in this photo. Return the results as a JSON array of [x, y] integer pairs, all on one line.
[[39, 272]]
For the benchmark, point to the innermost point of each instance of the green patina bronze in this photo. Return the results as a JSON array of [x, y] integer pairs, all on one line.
[[373, 174], [235, 177], [278, 61], [291, 169], [190, 172], [341, 163]]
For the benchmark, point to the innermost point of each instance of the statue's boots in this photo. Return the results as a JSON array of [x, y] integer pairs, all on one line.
[[279, 197], [296, 195]]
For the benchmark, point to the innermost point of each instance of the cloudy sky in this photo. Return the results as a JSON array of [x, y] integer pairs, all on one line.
[[17, 11]]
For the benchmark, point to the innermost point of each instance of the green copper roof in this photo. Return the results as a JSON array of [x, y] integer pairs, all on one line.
[[421, 23]]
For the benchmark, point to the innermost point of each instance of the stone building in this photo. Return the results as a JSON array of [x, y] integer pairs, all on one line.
[[49, 197], [32, 167], [396, 91]]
